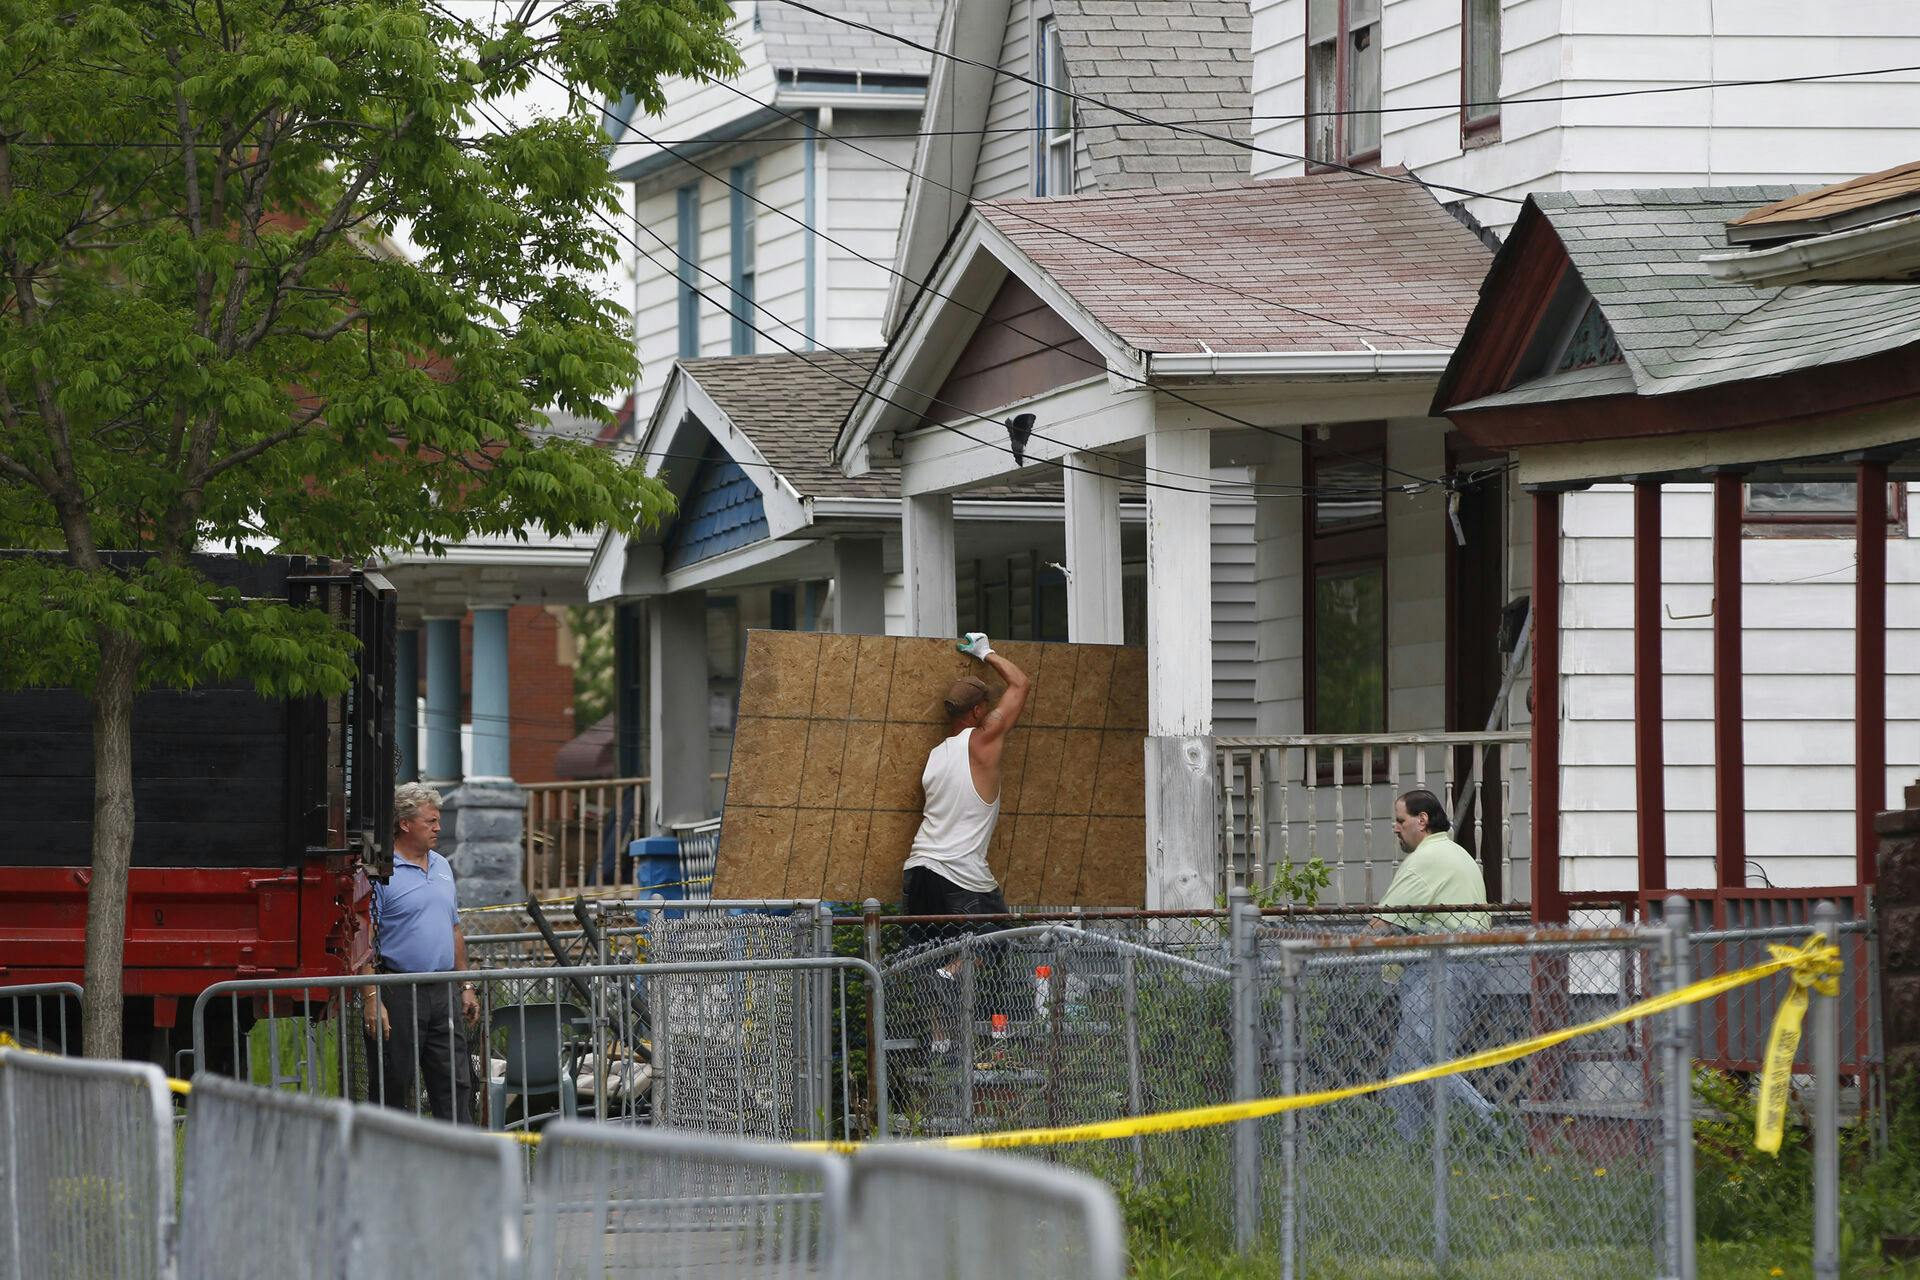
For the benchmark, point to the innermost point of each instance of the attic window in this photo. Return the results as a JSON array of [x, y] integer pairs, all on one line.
[[1053, 117], [1591, 343]]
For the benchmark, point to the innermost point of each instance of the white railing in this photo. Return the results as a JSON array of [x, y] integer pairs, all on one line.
[[571, 826], [1284, 801]]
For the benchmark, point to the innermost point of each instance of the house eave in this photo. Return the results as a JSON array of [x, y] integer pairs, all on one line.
[[1289, 365], [1884, 251]]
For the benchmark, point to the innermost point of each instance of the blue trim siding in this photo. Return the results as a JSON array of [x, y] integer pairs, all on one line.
[[721, 511], [687, 231]]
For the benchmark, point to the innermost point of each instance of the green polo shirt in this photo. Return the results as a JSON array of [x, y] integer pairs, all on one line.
[[1438, 873]]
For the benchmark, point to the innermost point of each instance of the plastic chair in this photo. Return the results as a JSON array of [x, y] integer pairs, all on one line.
[[541, 1058]]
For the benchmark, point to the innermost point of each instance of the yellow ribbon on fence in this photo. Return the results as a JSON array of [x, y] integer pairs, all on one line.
[[1815, 960], [1822, 974]]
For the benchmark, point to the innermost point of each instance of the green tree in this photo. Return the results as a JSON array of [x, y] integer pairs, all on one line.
[[205, 334], [592, 628]]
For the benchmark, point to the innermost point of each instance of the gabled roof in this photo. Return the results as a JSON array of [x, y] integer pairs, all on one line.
[[1176, 60], [790, 407], [801, 41], [1832, 208], [1329, 262]]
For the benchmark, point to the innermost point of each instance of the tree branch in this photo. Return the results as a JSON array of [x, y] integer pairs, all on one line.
[[258, 447]]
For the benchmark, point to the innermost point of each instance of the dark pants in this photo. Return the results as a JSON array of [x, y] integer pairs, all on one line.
[[428, 1049], [925, 892]]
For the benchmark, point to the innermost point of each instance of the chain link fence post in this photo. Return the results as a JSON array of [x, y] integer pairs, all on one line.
[[1676, 957], [1826, 1112], [822, 1021], [870, 931], [1244, 923]]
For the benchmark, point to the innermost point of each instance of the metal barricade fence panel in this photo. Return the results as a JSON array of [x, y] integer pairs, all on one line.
[[432, 1201], [42, 1015], [1547, 1166], [265, 1184], [959, 1215], [635, 1203], [88, 1191]]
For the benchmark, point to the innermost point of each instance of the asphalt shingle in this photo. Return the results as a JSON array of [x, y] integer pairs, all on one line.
[[802, 41]]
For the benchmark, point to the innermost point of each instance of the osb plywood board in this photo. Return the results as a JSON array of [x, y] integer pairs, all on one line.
[[823, 797]]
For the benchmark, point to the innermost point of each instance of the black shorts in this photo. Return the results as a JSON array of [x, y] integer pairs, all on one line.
[[925, 892]]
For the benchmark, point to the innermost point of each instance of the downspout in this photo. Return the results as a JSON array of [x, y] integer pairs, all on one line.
[[812, 221]]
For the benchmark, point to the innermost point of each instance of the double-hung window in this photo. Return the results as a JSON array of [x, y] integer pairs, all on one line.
[[1479, 70], [1053, 116], [1817, 508], [687, 246], [741, 207], [1343, 81]]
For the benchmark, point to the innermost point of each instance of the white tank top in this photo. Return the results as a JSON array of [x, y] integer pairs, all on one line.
[[958, 824]]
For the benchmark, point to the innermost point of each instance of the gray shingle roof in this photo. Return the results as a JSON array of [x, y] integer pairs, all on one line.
[[802, 41], [1328, 262], [1679, 328], [1177, 60]]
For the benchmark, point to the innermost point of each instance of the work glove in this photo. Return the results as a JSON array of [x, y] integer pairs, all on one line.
[[974, 645]]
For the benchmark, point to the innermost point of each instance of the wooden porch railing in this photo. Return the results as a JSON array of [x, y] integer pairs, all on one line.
[[576, 832], [1287, 800]]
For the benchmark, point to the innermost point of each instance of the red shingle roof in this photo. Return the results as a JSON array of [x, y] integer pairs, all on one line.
[[1330, 262]]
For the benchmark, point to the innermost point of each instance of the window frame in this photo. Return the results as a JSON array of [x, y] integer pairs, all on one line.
[[1342, 105], [1479, 130], [1361, 546], [1819, 524], [1051, 65], [687, 297], [743, 255]]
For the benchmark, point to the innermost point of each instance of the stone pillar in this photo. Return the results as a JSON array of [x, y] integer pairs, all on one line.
[[1897, 895], [926, 534], [492, 716], [1182, 830], [859, 587], [443, 700], [677, 709], [406, 701], [1094, 614]]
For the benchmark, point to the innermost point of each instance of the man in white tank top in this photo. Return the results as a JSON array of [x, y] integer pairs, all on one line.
[[946, 871]]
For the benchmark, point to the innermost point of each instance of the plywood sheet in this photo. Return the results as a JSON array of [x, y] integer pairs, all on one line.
[[823, 796]]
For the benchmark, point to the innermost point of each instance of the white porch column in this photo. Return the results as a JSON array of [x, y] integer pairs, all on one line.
[[859, 587], [1181, 827], [677, 708], [1093, 549], [927, 547]]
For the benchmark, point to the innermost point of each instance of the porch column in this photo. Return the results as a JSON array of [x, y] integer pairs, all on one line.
[[492, 714], [927, 548], [1869, 666], [1729, 702], [1181, 823], [1093, 549], [1549, 903], [677, 708], [443, 699], [406, 700], [859, 587], [1649, 711]]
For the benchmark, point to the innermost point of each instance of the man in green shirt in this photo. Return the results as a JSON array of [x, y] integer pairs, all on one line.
[[1435, 872]]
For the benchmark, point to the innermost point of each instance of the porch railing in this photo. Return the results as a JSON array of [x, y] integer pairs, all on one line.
[[1284, 801], [576, 832]]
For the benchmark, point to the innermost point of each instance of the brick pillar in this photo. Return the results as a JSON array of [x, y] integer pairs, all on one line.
[[1897, 896]]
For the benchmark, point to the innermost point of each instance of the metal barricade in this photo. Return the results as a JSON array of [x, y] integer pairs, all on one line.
[[961, 1215], [432, 1201], [86, 1169], [38, 1016], [653, 1203], [265, 1185]]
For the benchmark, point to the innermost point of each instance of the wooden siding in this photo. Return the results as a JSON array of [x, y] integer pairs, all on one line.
[[1814, 132], [1006, 150], [1021, 348], [866, 186]]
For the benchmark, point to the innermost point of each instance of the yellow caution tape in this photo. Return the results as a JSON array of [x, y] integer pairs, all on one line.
[[1822, 974], [1816, 960]]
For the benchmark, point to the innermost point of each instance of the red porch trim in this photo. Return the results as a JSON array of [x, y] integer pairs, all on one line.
[[1544, 865], [1869, 665], [1649, 712], [1729, 707]]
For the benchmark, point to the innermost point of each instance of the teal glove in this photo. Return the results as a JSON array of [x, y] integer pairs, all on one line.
[[974, 645]]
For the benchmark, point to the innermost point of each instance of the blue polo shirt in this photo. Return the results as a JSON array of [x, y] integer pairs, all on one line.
[[414, 914]]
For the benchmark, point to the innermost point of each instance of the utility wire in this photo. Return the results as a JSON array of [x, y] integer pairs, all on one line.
[[1136, 117]]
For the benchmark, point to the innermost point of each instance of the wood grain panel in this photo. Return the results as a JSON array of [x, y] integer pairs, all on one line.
[[824, 795]]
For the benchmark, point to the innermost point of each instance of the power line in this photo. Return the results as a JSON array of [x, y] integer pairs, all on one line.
[[1130, 114]]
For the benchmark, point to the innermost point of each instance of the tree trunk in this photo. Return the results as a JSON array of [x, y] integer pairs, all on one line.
[[112, 842]]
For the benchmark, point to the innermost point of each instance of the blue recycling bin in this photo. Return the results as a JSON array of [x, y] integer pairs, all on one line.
[[656, 869]]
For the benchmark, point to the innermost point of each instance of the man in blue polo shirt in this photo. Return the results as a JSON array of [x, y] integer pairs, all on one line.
[[413, 1038]]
